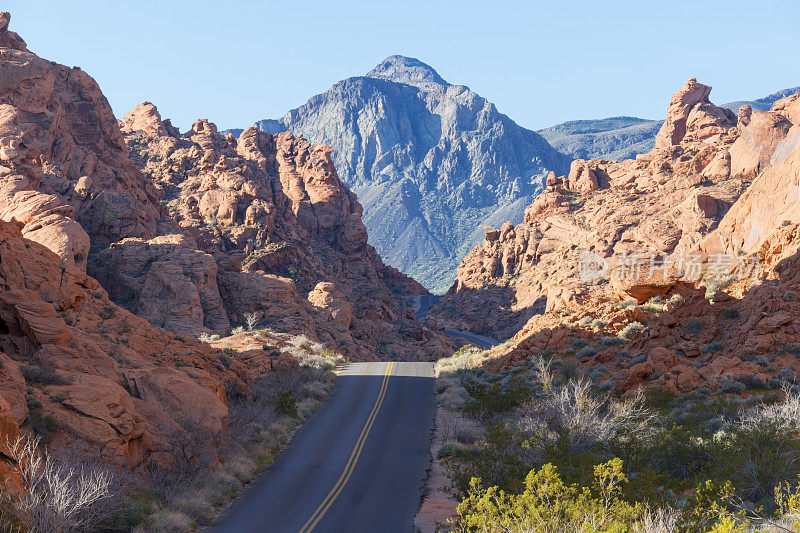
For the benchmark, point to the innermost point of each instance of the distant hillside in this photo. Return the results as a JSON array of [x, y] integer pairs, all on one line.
[[431, 162], [620, 138], [614, 138], [762, 103]]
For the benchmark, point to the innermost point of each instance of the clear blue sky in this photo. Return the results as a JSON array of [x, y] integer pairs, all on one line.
[[540, 62]]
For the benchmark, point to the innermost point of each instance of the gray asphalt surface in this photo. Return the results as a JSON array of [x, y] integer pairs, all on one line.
[[382, 492], [474, 338]]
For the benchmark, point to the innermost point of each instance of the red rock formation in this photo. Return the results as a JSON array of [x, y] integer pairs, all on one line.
[[712, 184], [285, 232], [108, 377], [253, 225], [63, 163], [663, 202]]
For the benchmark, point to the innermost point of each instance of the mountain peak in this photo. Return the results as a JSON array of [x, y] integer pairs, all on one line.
[[408, 70]]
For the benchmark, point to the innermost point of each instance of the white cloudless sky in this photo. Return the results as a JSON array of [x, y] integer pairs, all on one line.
[[541, 63]]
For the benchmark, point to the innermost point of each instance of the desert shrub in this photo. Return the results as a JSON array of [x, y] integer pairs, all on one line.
[[653, 308], [488, 399], [224, 358], [250, 320], [675, 299], [453, 397], [548, 504], [33, 402], [713, 347], [570, 369], [752, 382], [630, 329], [206, 337], [167, 521], [585, 321], [731, 313], [586, 351], [581, 419], [694, 325], [59, 397], [598, 323], [612, 341], [107, 312], [628, 302], [596, 372], [285, 403], [579, 343], [784, 414], [57, 495], [43, 425], [44, 375], [302, 341], [460, 360], [786, 375], [732, 386], [456, 449]]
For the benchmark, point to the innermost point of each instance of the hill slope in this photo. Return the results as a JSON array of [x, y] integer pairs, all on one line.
[[620, 138], [429, 161]]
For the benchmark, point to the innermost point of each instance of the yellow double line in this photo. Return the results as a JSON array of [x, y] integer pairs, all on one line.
[[351, 464]]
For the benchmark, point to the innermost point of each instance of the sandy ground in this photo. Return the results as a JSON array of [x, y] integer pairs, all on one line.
[[437, 504]]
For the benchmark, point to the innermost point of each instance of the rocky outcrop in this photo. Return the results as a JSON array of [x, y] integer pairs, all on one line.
[[107, 377], [653, 237], [771, 199], [266, 228], [427, 159], [662, 203], [64, 171], [620, 138]]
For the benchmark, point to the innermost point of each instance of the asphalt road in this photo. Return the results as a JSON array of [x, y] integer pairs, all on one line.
[[474, 338], [358, 465]]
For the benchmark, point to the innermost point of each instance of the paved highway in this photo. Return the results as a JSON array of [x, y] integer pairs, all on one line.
[[358, 465], [474, 338]]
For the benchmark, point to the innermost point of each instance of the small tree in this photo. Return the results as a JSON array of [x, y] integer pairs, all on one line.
[[55, 497], [251, 319]]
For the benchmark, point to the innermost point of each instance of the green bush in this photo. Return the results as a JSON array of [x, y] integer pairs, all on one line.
[[286, 403], [496, 397], [731, 313], [44, 375], [630, 329], [43, 425], [694, 325], [548, 504], [713, 347]]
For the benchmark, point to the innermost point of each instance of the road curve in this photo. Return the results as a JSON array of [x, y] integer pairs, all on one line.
[[357, 465], [474, 338]]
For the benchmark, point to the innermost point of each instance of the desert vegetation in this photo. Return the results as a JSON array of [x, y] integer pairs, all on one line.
[[188, 486], [557, 452]]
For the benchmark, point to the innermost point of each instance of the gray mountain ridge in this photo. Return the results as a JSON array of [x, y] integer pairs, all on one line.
[[619, 138], [431, 162]]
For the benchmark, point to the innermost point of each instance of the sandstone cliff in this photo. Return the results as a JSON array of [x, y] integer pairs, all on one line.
[[215, 229], [665, 201], [714, 182], [263, 225], [107, 272]]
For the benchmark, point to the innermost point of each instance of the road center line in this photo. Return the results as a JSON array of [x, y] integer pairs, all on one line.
[[351, 463]]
